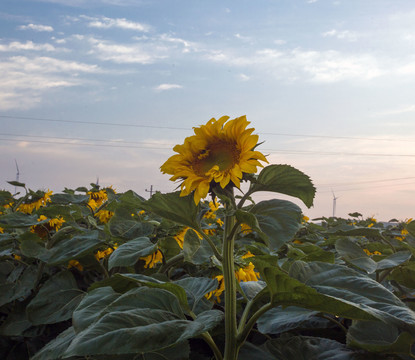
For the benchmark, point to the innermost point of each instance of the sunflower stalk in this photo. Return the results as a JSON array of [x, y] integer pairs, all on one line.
[[231, 351]]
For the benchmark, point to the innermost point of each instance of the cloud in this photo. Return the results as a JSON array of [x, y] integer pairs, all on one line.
[[343, 35], [397, 111], [29, 45], [25, 81], [125, 53], [120, 23], [164, 87], [243, 77], [316, 66], [36, 27]]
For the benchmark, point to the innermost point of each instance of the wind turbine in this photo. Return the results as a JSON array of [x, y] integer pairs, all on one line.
[[334, 203], [17, 175]]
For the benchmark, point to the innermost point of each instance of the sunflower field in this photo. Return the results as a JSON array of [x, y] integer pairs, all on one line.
[[91, 273]]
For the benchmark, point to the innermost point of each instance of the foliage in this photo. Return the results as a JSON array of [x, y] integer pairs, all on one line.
[[91, 273]]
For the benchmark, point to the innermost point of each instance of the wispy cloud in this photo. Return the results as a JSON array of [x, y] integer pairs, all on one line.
[[36, 27], [343, 35], [164, 87], [120, 23], [26, 80], [317, 66], [28, 45], [396, 111]]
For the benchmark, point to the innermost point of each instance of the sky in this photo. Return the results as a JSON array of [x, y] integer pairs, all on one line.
[[102, 90]]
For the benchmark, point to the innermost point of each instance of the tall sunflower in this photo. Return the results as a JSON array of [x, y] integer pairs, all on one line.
[[220, 151]]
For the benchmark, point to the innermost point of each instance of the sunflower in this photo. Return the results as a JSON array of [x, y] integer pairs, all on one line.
[[220, 151]]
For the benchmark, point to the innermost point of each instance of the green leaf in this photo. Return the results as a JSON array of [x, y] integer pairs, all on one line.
[[307, 347], [128, 254], [91, 306], [66, 199], [354, 254], [196, 288], [394, 260], [75, 247], [279, 220], [352, 287], [350, 230], [250, 351], [175, 289], [15, 324], [33, 247], [56, 300], [16, 183], [411, 227], [128, 229], [172, 206], [151, 329], [378, 337], [54, 349], [20, 288], [191, 244], [19, 220], [279, 320], [285, 179]]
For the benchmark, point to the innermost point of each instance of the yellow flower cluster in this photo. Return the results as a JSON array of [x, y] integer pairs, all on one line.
[[104, 215], [372, 253], [246, 273], [1, 230], [152, 259], [97, 198], [35, 205], [245, 229], [103, 254], [75, 264]]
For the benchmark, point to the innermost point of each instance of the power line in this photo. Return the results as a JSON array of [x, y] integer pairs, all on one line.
[[182, 128], [366, 182], [270, 151]]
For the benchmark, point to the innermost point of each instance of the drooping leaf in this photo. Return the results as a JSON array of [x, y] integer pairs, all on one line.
[[91, 306], [307, 347], [351, 230], [279, 320], [191, 244], [378, 337], [56, 300], [355, 255], [350, 286], [75, 247], [54, 349], [285, 179], [66, 199], [394, 260], [196, 289], [128, 253], [19, 220], [20, 288], [278, 219], [151, 329], [172, 206], [129, 229]]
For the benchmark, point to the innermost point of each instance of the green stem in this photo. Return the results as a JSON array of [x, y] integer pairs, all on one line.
[[231, 351], [338, 323], [212, 245], [243, 334], [172, 261]]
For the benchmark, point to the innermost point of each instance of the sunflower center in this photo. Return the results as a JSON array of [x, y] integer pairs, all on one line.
[[223, 154]]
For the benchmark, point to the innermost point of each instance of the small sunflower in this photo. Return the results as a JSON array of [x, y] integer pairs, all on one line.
[[220, 151]]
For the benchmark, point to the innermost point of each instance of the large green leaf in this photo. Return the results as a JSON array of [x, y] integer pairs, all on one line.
[[352, 287], [75, 247], [139, 330], [278, 219], [175, 289], [351, 230], [394, 260], [128, 254], [278, 320], [191, 244], [354, 254], [16, 323], [172, 206], [66, 199], [19, 220], [91, 306], [56, 300], [379, 337], [285, 179], [196, 289], [307, 347], [18, 288], [128, 229], [55, 348], [33, 247]]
